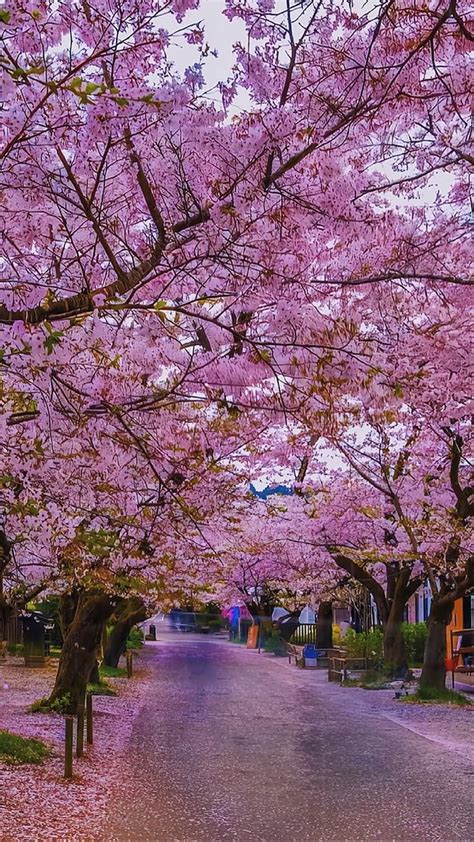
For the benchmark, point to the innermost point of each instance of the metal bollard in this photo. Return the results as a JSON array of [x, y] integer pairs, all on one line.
[[69, 723], [80, 729], [89, 719], [129, 659]]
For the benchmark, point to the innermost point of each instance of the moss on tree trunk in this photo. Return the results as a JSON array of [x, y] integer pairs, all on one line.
[[394, 652], [79, 651]]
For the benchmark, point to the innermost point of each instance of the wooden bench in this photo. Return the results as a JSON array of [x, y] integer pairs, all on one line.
[[295, 652], [340, 663], [457, 653]]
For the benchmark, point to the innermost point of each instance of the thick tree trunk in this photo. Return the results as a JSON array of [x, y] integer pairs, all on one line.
[[324, 625], [67, 609], [131, 612], [5, 613], [395, 659], [94, 676], [80, 648], [434, 666]]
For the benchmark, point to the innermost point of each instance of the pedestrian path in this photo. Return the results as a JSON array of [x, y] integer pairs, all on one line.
[[231, 747]]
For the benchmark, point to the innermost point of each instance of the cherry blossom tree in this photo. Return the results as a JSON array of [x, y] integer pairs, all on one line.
[[179, 287]]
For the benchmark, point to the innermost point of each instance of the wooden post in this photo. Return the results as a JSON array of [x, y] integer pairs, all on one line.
[[89, 719], [129, 657], [80, 729], [69, 723]]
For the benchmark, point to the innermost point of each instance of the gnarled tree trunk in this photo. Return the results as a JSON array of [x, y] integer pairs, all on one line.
[[80, 647], [67, 609], [130, 612]]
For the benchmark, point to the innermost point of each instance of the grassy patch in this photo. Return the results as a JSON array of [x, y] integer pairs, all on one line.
[[54, 652], [60, 705], [431, 695], [112, 672], [102, 689], [15, 750]]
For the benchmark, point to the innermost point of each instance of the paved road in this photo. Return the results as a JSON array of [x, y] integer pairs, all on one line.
[[233, 746]]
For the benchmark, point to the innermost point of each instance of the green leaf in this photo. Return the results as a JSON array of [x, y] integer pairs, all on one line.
[[35, 70], [4, 16]]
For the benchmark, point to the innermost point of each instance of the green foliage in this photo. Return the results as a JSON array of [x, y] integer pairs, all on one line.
[[273, 642], [102, 689], [15, 750], [370, 644], [135, 639], [364, 645], [414, 637], [60, 705], [433, 695], [112, 672], [15, 649], [50, 608]]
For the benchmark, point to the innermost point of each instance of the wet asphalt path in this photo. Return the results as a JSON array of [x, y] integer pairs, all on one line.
[[231, 746]]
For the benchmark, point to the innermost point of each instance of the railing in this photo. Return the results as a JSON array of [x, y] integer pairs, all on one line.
[[305, 633]]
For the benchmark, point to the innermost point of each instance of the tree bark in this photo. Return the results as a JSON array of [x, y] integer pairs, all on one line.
[[67, 609], [394, 653], [434, 660], [433, 673], [324, 625], [80, 648], [128, 614], [94, 676], [289, 625]]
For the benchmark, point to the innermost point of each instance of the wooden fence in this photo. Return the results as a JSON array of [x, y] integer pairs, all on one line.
[[12, 632]]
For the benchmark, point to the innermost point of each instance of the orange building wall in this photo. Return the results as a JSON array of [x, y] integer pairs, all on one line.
[[456, 623]]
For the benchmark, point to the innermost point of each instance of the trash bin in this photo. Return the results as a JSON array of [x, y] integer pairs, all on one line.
[[310, 655]]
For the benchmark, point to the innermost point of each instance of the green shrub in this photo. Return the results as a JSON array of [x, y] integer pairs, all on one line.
[[364, 645], [135, 638], [15, 750], [15, 649], [273, 642], [414, 637]]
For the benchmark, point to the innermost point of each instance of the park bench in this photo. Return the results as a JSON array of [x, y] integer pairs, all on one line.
[[340, 662], [295, 652], [458, 651]]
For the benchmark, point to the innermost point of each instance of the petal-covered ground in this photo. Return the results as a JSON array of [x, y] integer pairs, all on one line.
[[211, 741], [233, 745], [36, 803]]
